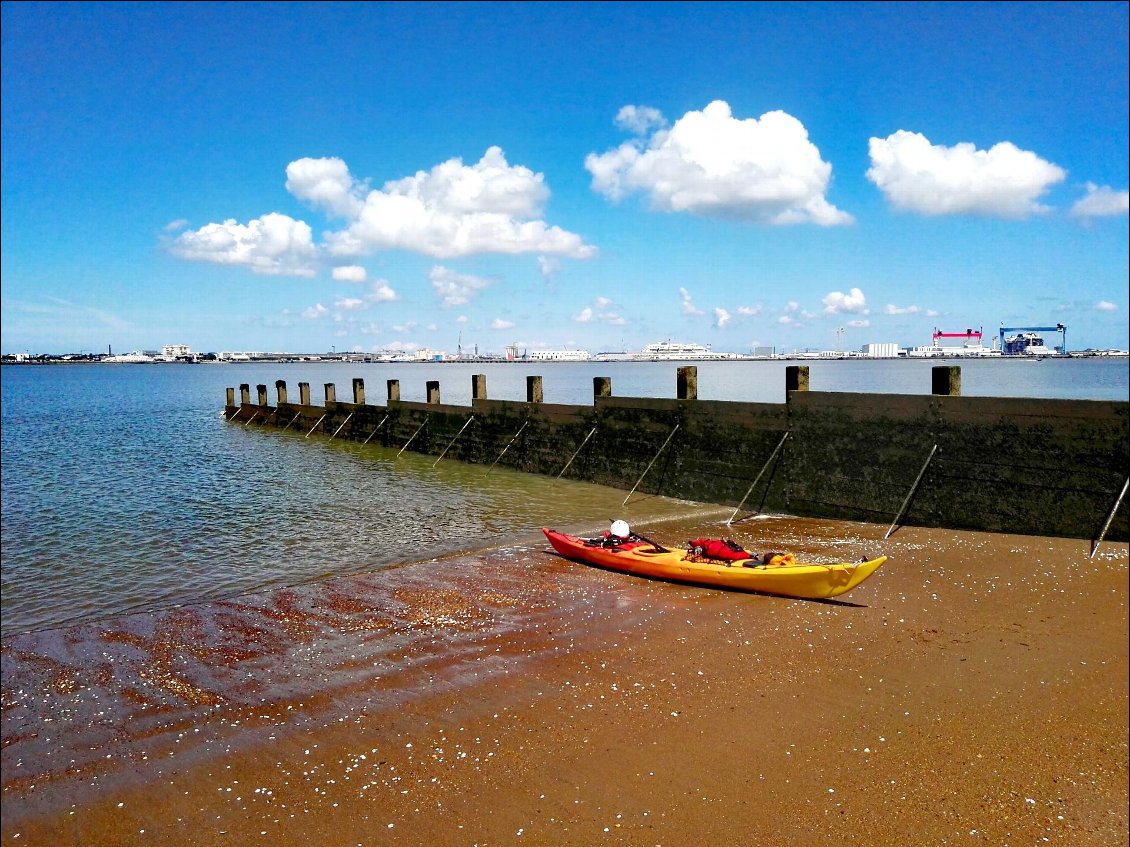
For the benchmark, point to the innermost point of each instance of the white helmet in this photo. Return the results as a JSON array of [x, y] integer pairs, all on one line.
[[620, 529]]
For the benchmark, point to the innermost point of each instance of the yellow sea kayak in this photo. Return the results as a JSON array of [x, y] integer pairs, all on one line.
[[806, 580]]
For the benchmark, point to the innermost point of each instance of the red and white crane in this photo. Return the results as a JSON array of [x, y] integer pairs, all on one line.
[[969, 335]]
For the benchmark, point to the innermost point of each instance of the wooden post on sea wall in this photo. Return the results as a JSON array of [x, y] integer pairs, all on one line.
[[304, 393], [394, 390], [245, 394], [331, 393], [796, 378], [432, 387], [359, 391], [533, 389], [280, 390], [686, 383], [945, 380], [601, 386], [261, 390], [231, 396], [479, 387]]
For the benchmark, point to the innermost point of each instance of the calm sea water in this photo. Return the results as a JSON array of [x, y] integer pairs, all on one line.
[[123, 489]]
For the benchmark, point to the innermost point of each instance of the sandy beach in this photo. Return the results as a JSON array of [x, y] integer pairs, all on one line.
[[973, 691]]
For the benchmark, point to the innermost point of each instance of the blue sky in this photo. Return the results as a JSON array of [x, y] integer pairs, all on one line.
[[395, 176]]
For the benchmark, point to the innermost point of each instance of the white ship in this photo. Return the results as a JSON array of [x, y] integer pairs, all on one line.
[[1027, 344], [134, 357], [666, 351], [676, 350]]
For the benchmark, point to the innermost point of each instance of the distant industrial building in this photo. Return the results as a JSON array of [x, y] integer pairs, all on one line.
[[560, 355], [943, 345], [881, 351]]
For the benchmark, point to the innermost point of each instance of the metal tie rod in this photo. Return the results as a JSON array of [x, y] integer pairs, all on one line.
[[374, 432], [757, 479], [292, 420], [315, 426], [253, 416], [571, 458], [413, 438], [913, 488], [343, 423], [456, 438], [1110, 518], [649, 464], [507, 447]]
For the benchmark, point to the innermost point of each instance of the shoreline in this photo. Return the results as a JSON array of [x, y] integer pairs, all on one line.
[[973, 690], [612, 358]]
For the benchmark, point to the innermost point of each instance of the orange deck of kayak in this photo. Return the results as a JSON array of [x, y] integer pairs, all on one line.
[[806, 580]]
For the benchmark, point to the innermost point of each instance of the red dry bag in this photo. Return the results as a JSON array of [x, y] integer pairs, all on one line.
[[717, 548]]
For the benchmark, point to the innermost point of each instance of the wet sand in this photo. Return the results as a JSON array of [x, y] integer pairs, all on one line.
[[973, 691]]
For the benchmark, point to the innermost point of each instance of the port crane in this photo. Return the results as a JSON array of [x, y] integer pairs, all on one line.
[[969, 336], [1060, 328]]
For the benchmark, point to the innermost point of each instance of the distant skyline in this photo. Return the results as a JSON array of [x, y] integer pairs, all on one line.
[[599, 176]]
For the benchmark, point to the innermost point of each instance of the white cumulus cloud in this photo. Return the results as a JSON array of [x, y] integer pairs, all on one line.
[[350, 273], [381, 292], [689, 307], [917, 176], [452, 210], [639, 120], [1101, 201], [326, 183], [603, 310], [456, 210], [712, 164], [273, 244], [455, 289], [722, 317], [836, 302], [314, 312]]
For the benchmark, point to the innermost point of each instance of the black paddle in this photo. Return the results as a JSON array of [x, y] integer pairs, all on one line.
[[659, 548]]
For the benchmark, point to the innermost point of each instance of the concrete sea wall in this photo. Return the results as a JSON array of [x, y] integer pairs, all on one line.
[[1015, 465]]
